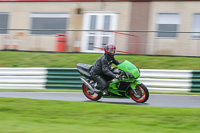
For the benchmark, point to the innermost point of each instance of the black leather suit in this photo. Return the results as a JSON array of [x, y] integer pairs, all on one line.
[[101, 69]]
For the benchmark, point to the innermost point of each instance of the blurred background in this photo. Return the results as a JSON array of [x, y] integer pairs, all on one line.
[[151, 27], [140, 27]]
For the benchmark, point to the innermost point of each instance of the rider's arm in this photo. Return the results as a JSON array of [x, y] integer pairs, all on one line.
[[116, 62], [106, 70]]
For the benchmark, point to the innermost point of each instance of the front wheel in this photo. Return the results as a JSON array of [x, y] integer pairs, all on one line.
[[93, 97], [140, 94]]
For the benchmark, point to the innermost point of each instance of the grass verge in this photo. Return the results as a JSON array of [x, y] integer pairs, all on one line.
[[69, 60], [46, 116]]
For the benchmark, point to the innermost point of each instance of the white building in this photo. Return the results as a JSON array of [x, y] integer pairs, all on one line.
[[121, 15]]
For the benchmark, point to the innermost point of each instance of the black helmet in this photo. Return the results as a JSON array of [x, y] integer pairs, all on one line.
[[110, 49]]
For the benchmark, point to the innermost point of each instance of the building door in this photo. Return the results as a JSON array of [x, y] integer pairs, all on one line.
[[94, 41]]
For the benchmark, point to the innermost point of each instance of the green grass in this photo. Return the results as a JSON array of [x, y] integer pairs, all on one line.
[[69, 60], [46, 116]]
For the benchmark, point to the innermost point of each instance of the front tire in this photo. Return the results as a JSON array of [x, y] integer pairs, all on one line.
[[93, 97], [140, 94]]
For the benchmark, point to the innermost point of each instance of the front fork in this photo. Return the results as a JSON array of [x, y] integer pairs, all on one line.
[[133, 87], [134, 84]]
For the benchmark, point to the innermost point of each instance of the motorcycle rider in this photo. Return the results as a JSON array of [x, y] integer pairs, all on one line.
[[102, 66]]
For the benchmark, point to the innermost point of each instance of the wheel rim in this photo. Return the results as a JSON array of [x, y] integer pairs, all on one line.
[[85, 89], [141, 94]]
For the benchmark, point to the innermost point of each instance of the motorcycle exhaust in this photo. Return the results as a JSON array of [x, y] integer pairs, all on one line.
[[88, 85]]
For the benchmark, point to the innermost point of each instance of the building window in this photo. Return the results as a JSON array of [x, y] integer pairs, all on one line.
[[196, 26], [168, 22], [96, 40], [3, 23], [49, 23]]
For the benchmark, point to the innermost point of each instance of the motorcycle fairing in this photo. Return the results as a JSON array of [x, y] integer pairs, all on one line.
[[130, 68]]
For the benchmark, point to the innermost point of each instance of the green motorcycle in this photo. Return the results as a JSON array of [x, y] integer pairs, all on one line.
[[126, 86]]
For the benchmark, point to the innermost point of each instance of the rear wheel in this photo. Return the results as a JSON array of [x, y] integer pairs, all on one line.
[[93, 97], [140, 94]]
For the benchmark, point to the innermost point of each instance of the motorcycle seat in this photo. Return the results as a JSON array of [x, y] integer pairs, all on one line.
[[84, 69]]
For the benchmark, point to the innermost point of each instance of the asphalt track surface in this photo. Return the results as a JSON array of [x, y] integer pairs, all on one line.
[[155, 100]]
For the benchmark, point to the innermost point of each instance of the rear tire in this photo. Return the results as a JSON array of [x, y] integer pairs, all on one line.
[[93, 97], [142, 93]]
